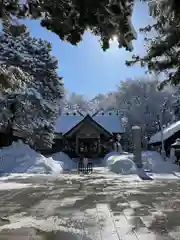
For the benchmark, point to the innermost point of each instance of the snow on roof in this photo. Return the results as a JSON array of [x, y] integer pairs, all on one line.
[[66, 122], [109, 121], [167, 132]]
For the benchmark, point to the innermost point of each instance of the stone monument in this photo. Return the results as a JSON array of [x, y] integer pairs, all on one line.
[[136, 132]]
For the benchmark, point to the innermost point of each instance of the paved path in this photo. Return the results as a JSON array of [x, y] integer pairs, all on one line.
[[95, 207]]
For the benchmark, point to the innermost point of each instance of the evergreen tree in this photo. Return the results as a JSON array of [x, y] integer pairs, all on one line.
[[163, 49], [70, 18], [29, 83]]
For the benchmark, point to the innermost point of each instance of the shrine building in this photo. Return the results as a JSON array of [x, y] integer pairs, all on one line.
[[90, 135]]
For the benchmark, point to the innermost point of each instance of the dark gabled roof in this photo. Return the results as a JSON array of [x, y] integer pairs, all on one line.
[[88, 117]]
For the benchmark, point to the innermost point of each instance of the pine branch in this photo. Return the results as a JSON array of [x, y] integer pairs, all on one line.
[[69, 19]]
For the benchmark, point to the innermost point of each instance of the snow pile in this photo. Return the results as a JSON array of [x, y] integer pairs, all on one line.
[[152, 162], [157, 163], [121, 163], [20, 158], [46, 165], [64, 160]]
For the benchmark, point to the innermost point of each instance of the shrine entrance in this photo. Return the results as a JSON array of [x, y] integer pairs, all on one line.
[[88, 147], [86, 137]]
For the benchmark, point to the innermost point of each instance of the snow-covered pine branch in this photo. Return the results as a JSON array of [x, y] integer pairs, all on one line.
[[29, 80]]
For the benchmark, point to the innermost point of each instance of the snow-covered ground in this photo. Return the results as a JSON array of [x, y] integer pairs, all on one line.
[[100, 206], [14, 185]]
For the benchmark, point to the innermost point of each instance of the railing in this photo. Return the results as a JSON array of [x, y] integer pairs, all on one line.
[[85, 168]]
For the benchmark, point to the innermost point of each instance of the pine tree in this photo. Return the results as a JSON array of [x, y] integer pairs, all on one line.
[[29, 83], [69, 19], [163, 49]]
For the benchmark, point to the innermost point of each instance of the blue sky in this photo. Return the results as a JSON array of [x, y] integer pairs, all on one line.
[[88, 70]]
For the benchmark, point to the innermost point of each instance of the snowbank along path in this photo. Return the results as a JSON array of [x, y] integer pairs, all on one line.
[[20, 158], [154, 165]]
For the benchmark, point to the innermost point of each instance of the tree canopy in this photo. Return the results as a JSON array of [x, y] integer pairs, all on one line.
[[69, 19], [163, 48]]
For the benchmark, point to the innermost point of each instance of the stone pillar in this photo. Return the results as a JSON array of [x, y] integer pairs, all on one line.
[[136, 131]]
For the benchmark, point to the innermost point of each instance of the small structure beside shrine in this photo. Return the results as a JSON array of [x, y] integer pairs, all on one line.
[[170, 133], [90, 135]]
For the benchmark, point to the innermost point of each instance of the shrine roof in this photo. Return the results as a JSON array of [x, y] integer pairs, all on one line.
[[65, 122], [110, 121]]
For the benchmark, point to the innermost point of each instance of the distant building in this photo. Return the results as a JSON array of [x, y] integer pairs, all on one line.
[[170, 134], [78, 134]]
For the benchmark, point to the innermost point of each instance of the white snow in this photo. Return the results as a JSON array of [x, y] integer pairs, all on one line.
[[135, 127], [157, 163], [46, 165], [65, 161], [112, 123], [20, 158], [13, 185], [34, 92], [121, 164], [167, 132], [48, 224], [152, 162], [65, 123]]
